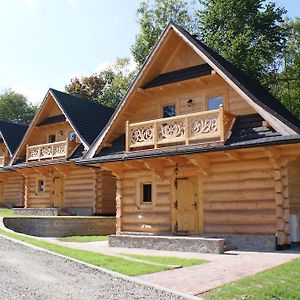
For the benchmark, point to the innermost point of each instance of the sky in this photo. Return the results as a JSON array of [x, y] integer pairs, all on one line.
[[45, 43]]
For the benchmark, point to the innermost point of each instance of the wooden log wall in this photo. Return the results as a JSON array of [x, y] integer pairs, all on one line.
[[132, 215], [80, 188], [14, 190], [293, 177], [38, 200], [239, 196], [106, 193]]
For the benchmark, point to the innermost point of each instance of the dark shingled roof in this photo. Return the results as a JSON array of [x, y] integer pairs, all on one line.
[[53, 120], [179, 75], [87, 117], [12, 134], [252, 88], [247, 131]]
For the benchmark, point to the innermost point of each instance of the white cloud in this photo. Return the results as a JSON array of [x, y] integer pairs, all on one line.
[[34, 95], [103, 65], [32, 4], [73, 3]]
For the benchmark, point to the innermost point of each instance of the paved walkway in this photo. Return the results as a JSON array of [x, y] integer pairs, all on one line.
[[195, 280]]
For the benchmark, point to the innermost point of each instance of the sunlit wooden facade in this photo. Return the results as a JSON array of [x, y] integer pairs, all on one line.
[[60, 133], [197, 147]]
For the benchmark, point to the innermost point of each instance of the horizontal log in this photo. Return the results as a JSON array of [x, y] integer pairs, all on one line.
[[239, 185], [239, 205], [239, 217], [240, 229], [263, 194]]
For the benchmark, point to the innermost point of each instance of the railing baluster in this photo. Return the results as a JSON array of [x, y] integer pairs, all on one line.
[[128, 138], [186, 130], [155, 134], [221, 123]]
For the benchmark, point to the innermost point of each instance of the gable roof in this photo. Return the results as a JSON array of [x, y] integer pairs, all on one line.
[[252, 88], [12, 135], [87, 118], [252, 91]]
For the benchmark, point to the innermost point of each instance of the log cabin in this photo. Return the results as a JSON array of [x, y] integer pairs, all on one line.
[[12, 183], [61, 132], [200, 148]]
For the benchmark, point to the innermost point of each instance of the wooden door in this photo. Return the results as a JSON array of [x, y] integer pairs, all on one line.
[[186, 205], [1, 192], [58, 192]]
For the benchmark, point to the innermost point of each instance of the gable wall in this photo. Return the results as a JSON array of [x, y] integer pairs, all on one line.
[[148, 106]]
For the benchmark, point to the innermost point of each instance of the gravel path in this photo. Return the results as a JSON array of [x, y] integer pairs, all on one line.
[[27, 273]]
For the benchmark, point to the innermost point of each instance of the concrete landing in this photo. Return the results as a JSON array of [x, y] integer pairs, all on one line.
[[169, 243]]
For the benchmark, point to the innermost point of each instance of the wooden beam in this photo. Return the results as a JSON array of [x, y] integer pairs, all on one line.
[[233, 155], [133, 164], [274, 156], [117, 169], [201, 162], [155, 165]]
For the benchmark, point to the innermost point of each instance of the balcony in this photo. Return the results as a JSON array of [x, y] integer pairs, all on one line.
[[48, 151], [187, 129], [3, 160]]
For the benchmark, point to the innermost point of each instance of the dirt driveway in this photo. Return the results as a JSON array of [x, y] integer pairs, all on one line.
[[27, 273]]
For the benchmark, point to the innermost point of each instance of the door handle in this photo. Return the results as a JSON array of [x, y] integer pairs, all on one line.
[[195, 204]]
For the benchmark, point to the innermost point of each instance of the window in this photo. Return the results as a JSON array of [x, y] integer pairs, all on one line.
[[41, 186], [214, 102], [169, 111], [72, 136], [51, 138], [147, 193]]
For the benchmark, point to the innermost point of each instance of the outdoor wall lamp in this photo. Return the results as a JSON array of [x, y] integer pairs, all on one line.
[[189, 102]]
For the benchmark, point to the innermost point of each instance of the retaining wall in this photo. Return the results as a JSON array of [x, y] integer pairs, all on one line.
[[61, 226]]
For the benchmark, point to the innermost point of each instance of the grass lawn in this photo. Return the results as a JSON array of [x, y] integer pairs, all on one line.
[[281, 282], [117, 264], [84, 239], [5, 212], [169, 260]]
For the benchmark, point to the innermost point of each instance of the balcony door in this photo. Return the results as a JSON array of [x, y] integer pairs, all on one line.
[[58, 192], [186, 205]]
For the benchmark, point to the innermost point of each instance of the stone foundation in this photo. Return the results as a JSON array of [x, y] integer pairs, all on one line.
[[247, 242], [61, 226], [36, 211], [169, 243]]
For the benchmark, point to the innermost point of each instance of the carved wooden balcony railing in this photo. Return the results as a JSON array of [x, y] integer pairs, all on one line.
[[48, 151], [3, 160], [185, 129]]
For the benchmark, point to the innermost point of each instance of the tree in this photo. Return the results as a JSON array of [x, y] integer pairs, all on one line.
[[107, 87], [246, 32], [15, 107], [287, 84], [153, 18]]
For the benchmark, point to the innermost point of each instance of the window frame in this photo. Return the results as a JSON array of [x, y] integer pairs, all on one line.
[[48, 136], [163, 105], [142, 195], [213, 97], [224, 92], [38, 180]]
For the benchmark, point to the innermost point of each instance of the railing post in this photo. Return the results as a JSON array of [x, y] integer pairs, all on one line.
[[155, 134], [221, 123], [27, 152], [127, 148], [186, 130], [39, 152], [67, 148]]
